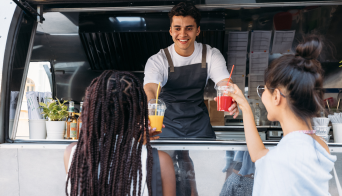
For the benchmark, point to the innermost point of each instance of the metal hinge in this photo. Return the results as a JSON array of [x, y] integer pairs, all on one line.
[[36, 14]]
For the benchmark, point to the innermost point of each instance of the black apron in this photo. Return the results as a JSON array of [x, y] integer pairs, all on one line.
[[186, 115]]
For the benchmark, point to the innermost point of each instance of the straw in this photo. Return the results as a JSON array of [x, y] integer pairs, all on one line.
[[336, 118], [157, 99], [230, 75], [328, 105]]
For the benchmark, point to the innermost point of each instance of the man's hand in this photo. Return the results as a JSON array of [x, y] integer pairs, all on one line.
[[152, 132]]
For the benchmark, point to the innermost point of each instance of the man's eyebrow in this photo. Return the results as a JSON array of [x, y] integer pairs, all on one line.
[[180, 26]]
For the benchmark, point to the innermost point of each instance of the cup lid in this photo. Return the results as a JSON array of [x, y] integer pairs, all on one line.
[[152, 103], [222, 85]]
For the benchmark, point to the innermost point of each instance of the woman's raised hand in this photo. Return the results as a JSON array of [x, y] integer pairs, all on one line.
[[238, 96]]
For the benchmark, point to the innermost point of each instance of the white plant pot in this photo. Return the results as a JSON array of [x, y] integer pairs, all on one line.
[[37, 128], [55, 129], [337, 131]]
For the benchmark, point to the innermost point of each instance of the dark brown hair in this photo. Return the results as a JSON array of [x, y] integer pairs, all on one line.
[[186, 9], [301, 76], [107, 158]]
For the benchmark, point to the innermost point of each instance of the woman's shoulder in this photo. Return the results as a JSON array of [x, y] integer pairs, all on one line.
[[289, 146], [297, 144], [295, 139], [67, 153]]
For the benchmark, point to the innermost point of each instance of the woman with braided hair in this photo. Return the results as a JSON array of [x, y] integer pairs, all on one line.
[[114, 155]]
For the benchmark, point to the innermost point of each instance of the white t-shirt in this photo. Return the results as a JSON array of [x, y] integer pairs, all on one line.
[[297, 166], [156, 69]]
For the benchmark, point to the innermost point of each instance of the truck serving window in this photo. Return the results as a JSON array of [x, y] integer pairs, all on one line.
[[71, 48], [38, 85]]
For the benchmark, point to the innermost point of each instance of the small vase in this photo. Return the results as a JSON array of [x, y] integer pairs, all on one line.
[[37, 128], [55, 129]]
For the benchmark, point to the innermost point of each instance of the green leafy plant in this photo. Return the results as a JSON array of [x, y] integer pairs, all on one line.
[[55, 111]]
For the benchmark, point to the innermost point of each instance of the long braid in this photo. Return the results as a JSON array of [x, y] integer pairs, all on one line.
[[106, 141], [107, 158]]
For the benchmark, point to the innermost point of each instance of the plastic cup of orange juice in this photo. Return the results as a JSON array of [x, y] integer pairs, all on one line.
[[156, 111]]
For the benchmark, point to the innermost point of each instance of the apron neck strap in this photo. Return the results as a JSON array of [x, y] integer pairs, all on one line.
[[168, 56], [169, 60], [204, 56]]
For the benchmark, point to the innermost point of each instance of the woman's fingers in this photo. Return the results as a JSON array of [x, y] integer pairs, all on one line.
[[236, 89], [154, 131], [236, 114], [233, 109], [154, 138], [238, 98], [234, 96]]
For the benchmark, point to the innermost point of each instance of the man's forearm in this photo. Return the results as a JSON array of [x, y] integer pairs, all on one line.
[[151, 90], [150, 95]]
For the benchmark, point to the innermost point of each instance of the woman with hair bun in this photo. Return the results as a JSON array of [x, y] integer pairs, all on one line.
[[301, 162]]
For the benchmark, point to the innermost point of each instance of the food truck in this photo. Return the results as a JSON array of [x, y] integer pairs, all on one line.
[[55, 48]]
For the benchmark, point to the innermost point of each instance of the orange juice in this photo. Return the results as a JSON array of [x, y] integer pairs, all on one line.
[[156, 122]]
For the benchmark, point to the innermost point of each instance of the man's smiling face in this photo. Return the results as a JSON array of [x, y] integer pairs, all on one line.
[[184, 31]]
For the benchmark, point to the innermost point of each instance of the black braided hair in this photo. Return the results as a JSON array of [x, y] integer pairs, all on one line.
[[107, 158]]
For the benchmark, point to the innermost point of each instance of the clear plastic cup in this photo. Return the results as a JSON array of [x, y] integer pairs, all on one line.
[[156, 117], [223, 100]]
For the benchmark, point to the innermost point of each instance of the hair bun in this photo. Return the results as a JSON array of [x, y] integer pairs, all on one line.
[[310, 48]]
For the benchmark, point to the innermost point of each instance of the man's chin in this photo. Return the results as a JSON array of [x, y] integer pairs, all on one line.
[[183, 47]]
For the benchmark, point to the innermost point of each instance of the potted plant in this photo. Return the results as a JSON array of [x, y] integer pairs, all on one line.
[[56, 112]]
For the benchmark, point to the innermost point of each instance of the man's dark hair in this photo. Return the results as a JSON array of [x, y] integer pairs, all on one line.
[[185, 9]]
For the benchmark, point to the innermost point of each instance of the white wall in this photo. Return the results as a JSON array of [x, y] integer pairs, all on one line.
[[38, 170]]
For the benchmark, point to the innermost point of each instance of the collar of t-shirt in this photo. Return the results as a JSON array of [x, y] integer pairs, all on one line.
[[178, 60]]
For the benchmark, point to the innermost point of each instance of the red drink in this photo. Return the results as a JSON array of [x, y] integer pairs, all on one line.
[[223, 103]]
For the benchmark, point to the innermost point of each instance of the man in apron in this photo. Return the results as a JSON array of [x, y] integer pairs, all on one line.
[[183, 70]]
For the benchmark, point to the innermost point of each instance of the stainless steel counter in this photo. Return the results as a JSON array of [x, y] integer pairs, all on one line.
[[41, 170], [241, 127]]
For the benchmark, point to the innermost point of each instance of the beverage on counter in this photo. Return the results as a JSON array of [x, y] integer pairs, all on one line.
[[156, 111], [79, 121], [71, 123], [223, 100]]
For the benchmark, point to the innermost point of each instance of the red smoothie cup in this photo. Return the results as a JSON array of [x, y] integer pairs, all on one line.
[[223, 100]]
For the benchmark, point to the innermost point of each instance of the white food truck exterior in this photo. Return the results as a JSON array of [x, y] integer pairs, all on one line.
[[36, 168]]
